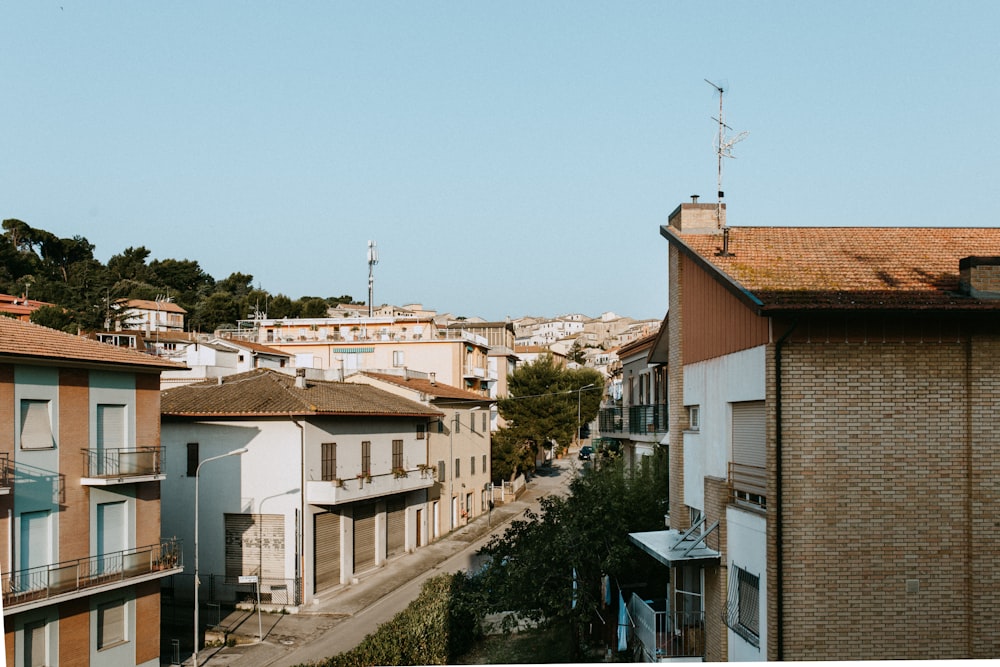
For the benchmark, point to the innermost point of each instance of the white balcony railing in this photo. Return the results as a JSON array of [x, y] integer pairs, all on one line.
[[352, 489], [663, 635]]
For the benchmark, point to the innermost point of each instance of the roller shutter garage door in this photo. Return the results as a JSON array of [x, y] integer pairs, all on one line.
[[364, 537], [395, 527], [326, 550]]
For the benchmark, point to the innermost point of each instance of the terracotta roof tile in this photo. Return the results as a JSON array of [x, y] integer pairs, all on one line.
[[25, 340], [847, 267], [264, 392], [435, 389]]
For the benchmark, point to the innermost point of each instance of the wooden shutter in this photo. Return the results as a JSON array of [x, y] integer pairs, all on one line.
[[326, 550], [395, 526], [364, 537], [749, 434]]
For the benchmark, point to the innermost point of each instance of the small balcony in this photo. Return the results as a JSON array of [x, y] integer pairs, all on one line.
[[664, 636], [610, 421], [352, 489], [647, 419], [47, 584], [104, 467], [5, 473], [748, 486]]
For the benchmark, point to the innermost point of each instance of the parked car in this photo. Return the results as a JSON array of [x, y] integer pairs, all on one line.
[[585, 453]]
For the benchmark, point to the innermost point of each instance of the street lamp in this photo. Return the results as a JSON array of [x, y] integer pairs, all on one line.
[[451, 462], [578, 393], [235, 452]]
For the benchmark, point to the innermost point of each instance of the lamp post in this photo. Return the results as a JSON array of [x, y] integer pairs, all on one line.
[[235, 452], [578, 393], [451, 462]]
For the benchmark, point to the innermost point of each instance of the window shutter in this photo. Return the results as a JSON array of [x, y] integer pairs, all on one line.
[[36, 425], [110, 624], [111, 427], [749, 434]]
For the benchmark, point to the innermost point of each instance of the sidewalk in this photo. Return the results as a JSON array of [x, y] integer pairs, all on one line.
[[286, 633]]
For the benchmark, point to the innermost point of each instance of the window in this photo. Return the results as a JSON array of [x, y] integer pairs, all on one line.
[[36, 425], [458, 469], [366, 458], [484, 462], [472, 465], [485, 424], [398, 358], [421, 431], [441, 471], [110, 624], [397, 454], [472, 422], [110, 427], [458, 424], [35, 644], [328, 461], [694, 417], [743, 606], [192, 459]]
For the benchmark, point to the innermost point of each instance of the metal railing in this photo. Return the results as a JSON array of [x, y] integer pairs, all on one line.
[[45, 581], [647, 419], [123, 462], [664, 635], [4, 470], [748, 485], [220, 589], [610, 420]]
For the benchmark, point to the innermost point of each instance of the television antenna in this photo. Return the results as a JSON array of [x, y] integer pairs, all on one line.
[[723, 148], [372, 261]]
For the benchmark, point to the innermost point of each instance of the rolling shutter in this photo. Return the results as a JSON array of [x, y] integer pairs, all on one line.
[[326, 550], [749, 434], [364, 537], [255, 544], [395, 527]]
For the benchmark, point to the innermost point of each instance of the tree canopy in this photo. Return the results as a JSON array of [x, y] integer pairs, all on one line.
[[41, 266]]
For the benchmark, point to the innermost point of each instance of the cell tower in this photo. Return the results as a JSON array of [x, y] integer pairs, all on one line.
[[723, 148], [372, 261]]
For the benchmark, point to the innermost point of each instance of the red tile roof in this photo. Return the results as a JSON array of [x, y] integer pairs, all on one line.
[[24, 341], [435, 389], [146, 304], [807, 268], [267, 392]]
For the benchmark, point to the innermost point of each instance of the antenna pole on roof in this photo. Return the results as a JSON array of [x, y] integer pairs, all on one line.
[[372, 261], [723, 148]]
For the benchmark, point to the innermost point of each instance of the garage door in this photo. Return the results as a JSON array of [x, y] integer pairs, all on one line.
[[395, 527], [364, 537], [326, 550]]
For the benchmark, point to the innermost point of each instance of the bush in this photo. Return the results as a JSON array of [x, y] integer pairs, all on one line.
[[439, 625]]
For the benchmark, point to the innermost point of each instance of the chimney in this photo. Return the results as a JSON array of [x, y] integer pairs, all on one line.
[[692, 217], [979, 277], [300, 378], [433, 377]]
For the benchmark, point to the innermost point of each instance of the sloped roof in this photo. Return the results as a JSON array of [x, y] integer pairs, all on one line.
[[844, 268], [23, 341], [267, 392], [146, 304], [253, 347], [435, 389]]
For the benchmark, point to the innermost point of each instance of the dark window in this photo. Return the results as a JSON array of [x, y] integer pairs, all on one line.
[[441, 471], [329, 461], [458, 468], [397, 454], [472, 465], [421, 431], [192, 459], [366, 458]]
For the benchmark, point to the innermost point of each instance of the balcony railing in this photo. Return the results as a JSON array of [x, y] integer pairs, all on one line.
[[748, 485], [648, 420], [4, 473], [666, 635], [351, 489], [123, 464], [47, 581]]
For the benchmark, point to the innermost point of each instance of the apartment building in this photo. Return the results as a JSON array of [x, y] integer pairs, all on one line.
[[333, 482], [81, 462], [834, 468]]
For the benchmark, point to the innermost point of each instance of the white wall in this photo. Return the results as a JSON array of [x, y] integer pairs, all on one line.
[[714, 385], [746, 546]]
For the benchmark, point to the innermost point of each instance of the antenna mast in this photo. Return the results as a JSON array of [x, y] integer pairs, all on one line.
[[723, 148], [372, 261]]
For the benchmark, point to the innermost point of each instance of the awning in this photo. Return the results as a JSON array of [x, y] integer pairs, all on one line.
[[672, 547]]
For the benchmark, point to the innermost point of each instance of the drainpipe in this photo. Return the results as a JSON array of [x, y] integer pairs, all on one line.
[[778, 536], [300, 524]]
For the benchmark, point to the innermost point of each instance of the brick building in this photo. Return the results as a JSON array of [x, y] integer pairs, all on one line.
[[80, 544], [834, 456]]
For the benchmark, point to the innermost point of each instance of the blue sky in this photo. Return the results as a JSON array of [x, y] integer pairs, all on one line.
[[509, 158]]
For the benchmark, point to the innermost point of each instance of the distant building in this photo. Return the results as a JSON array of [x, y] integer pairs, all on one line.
[[19, 307]]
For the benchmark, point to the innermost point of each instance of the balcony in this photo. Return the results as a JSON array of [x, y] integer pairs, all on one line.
[[5, 475], [353, 489], [664, 636], [610, 421], [748, 485], [103, 467], [647, 419], [48, 584]]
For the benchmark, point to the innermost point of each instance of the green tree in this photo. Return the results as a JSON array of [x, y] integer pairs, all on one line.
[[511, 455], [215, 311], [313, 307]]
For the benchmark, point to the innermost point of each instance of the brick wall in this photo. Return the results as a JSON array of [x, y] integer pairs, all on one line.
[[147, 617], [889, 506], [678, 418], [74, 435], [716, 577], [74, 633]]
